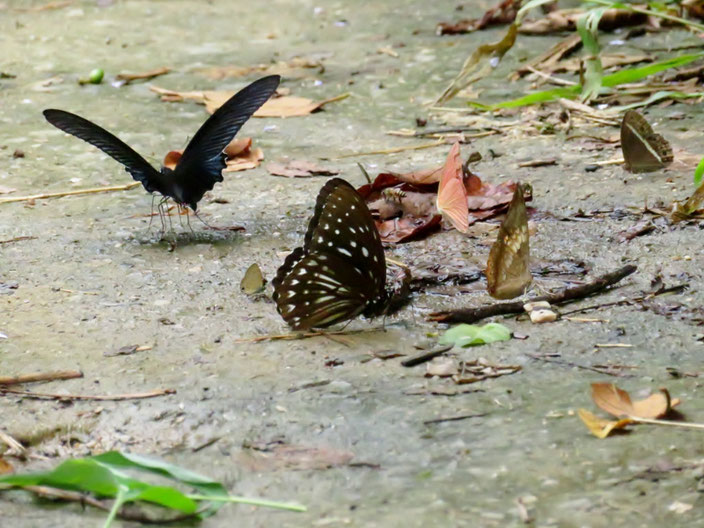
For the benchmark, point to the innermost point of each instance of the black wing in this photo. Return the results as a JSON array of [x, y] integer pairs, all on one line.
[[140, 169], [340, 271], [202, 162]]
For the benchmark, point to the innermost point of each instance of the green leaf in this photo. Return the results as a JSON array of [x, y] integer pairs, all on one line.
[[588, 29], [469, 335], [698, 173], [609, 81]]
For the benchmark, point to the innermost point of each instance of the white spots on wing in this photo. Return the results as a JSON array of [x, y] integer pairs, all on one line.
[[353, 243], [294, 282], [301, 271], [345, 251], [330, 244], [320, 240], [365, 252], [337, 231]]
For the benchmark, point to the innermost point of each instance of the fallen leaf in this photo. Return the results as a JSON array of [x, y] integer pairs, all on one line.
[[127, 78], [600, 427], [291, 69], [5, 466], [239, 156], [481, 369], [299, 169], [504, 13], [465, 335], [297, 457], [6, 190], [283, 106], [442, 367], [617, 402]]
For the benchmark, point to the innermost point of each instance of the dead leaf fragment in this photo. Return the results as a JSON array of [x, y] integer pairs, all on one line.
[[299, 169], [600, 427], [617, 402], [285, 456], [127, 78], [5, 466]]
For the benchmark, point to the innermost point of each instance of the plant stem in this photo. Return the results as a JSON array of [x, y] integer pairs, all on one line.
[[253, 502], [666, 422]]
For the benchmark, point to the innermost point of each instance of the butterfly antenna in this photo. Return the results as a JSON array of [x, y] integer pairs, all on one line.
[[364, 171]]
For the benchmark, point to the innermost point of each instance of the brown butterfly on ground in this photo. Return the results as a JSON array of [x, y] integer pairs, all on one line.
[[452, 194], [507, 270], [643, 149]]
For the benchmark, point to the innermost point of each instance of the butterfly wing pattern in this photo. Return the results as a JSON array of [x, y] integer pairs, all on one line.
[[200, 167], [203, 160], [643, 149], [139, 168], [452, 195], [340, 272], [507, 270]]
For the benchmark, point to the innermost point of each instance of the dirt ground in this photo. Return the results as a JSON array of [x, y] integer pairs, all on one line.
[[95, 278]]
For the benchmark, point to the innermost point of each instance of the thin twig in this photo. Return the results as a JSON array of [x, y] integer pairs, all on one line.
[[17, 239], [393, 150], [46, 376], [425, 356], [15, 447], [666, 422], [94, 190], [577, 365], [117, 397], [471, 315], [672, 289], [453, 418]]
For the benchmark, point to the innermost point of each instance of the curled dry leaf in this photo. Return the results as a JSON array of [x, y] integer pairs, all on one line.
[[285, 456], [5, 466], [299, 169], [617, 402], [600, 427], [127, 78]]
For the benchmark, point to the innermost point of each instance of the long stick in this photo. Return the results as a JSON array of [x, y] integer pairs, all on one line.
[[94, 190], [117, 397], [472, 315], [46, 376]]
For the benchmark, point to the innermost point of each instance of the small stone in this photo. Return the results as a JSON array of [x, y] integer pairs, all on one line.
[[538, 305], [542, 316]]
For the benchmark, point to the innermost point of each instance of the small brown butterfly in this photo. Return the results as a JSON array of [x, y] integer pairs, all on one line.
[[507, 270], [643, 149]]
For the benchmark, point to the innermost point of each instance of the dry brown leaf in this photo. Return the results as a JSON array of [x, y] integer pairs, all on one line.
[[239, 156], [617, 402], [129, 77], [291, 69], [283, 106], [442, 367], [299, 169], [5, 466], [600, 427], [6, 190], [285, 456]]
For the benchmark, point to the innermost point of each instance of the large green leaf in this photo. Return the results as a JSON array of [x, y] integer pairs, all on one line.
[[470, 335]]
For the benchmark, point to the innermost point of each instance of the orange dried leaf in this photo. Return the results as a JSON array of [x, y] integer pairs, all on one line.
[[600, 427], [617, 402], [5, 466], [172, 159]]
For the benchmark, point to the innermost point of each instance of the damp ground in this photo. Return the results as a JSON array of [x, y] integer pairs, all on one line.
[[95, 278]]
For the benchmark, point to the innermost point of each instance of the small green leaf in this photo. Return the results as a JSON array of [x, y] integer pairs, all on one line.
[[698, 173], [469, 335]]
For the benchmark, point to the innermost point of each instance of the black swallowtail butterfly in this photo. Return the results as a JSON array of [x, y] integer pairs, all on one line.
[[201, 164]]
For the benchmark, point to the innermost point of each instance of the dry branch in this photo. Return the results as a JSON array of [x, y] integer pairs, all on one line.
[[472, 315]]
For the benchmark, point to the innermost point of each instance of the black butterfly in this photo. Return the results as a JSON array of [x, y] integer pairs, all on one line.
[[203, 160], [643, 149], [340, 272]]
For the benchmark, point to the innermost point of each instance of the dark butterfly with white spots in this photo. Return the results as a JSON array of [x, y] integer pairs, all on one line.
[[202, 162], [643, 149], [340, 272]]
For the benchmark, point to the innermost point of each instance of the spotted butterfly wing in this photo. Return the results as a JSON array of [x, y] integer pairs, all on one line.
[[507, 270], [203, 160], [340, 272], [452, 195], [643, 149]]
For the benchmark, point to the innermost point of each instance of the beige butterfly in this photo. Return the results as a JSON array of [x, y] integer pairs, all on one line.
[[507, 270]]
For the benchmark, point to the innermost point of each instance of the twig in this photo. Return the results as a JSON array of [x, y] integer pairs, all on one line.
[[46, 376], [577, 365], [613, 345], [82, 498], [672, 289], [666, 422], [471, 315], [425, 356], [393, 150], [304, 335], [551, 78], [453, 418], [117, 397], [14, 445], [17, 239], [94, 190]]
